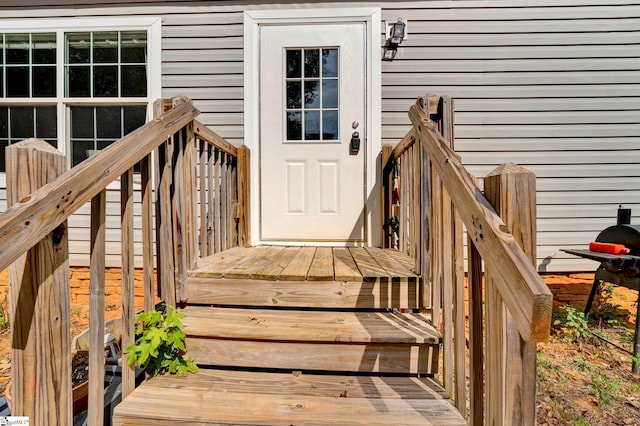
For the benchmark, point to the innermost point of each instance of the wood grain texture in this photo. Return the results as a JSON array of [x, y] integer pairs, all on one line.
[[308, 326], [212, 138], [364, 358], [147, 234], [95, 414], [297, 269], [511, 190], [523, 290], [476, 336], [244, 196], [321, 268], [39, 298], [290, 293], [128, 279], [270, 399], [345, 268]]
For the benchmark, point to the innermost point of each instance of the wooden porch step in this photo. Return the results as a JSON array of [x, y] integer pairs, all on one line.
[[380, 342], [214, 397]]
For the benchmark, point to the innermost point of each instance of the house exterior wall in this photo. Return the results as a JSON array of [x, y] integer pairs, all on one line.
[[551, 85]]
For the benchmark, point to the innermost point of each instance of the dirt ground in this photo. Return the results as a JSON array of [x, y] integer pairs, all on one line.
[[581, 380]]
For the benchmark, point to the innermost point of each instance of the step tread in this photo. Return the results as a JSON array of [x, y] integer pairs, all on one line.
[[313, 294], [309, 326], [252, 398]]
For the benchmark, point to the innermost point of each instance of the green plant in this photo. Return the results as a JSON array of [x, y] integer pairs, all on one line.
[[581, 363], [573, 322], [602, 388], [159, 346]]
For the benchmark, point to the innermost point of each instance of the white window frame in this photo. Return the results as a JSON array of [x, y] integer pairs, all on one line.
[[371, 16], [153, 27]]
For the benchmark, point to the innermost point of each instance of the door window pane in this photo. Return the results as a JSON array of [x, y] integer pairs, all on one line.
[[312, 125], [330, 125], [294, 126], [329, 62], [311, 63], [312, 94], [294, 61]]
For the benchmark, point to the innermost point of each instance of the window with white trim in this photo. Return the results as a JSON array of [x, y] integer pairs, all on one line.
[[80, 85]]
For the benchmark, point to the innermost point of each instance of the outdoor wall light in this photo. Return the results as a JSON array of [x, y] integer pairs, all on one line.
[[396, 35]]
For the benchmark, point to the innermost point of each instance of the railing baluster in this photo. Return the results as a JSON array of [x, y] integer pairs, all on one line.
[[224, 225], [147, 233], [476, 338], [190, 201], [96, 308], [164, 222], [211, 199], [178, 203], [128, 279], [202, 179], [217, 179]]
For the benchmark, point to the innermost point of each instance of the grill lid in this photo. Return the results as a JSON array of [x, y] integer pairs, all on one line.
[[628, 235]]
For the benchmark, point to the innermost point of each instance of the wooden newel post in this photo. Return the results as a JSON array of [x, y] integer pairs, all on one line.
[[244, 211], [39, 298], [511, 364]]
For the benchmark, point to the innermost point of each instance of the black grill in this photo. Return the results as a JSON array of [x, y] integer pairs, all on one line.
[[618, 269]]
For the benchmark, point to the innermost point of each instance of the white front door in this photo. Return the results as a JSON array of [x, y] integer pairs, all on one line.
[[312, 100]]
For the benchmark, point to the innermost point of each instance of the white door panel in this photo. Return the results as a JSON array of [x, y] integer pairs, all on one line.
[[312, 84]]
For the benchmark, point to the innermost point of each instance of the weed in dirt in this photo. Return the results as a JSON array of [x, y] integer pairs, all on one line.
[[580, 363], [573, 323], [602, 388]]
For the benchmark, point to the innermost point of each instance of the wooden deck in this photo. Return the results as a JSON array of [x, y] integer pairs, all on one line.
[[301, 335], [307, 264]]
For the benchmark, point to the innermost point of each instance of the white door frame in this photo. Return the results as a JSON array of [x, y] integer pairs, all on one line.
[[373, 83]]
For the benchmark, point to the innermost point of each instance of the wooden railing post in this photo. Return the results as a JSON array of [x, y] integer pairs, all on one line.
[[39, 298], [243, 197], [511, 361]]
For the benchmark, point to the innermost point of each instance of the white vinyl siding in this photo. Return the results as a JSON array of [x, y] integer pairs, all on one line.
[[550, 84]]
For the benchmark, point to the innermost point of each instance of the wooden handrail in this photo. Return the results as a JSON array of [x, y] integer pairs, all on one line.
[[212, 138], [525, 294], [28, 221]]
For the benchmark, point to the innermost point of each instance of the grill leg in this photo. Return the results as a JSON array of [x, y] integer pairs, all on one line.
[[596, 283], [635, 367]]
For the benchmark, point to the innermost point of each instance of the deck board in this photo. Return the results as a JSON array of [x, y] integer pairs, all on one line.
[[311, 326], [321, 268], [345, 268], [299, 266], [250, 398], [307, 263], [272, 270]]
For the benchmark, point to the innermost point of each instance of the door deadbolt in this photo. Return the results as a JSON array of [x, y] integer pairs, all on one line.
[[354, 146]]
